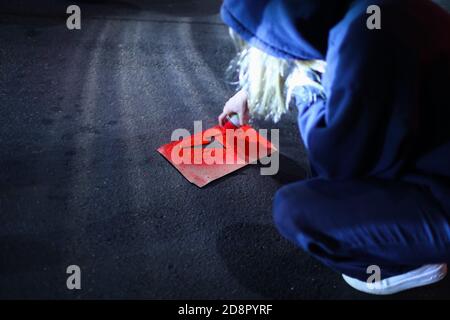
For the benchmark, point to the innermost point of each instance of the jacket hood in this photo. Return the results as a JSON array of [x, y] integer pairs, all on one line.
[[290, 29]]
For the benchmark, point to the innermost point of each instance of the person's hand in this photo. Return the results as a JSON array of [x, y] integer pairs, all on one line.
[[237, 104]]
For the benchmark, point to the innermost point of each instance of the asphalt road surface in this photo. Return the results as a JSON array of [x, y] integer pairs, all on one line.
[[82, 113]]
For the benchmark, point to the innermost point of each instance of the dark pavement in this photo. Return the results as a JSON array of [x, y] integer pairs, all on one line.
[[82, 113]]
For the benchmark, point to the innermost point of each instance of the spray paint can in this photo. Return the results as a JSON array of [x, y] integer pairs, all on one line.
[[231, 121]]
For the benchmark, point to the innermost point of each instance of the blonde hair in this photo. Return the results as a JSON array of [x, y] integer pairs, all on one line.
[[271, 83]]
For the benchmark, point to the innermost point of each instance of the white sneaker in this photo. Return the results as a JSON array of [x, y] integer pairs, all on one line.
[[422, 276]]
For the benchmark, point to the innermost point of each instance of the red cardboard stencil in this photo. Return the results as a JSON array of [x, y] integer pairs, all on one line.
[[216, 152]]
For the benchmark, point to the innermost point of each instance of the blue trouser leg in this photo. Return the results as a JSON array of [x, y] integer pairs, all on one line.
[[350, 225]]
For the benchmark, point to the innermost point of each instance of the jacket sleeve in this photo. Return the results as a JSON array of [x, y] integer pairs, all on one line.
[[357, 131]]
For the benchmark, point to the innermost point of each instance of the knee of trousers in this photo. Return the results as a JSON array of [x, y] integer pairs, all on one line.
[[300, 213], [291, 213]]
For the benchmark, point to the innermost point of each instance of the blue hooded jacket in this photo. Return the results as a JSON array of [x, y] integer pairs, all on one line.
[[387, 113]]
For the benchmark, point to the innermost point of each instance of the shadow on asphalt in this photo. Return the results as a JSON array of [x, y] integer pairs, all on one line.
[[265, 263], [290, 171]]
